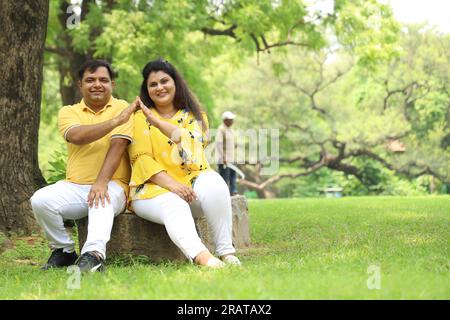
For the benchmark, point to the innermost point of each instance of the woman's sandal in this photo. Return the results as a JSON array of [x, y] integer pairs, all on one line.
[[231, 259], [213, 262]]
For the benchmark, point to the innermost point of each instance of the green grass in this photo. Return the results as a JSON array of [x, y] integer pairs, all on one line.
[[301, 249]]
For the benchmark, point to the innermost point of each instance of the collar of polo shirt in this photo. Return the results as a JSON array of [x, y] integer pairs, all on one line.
[[86, 108]]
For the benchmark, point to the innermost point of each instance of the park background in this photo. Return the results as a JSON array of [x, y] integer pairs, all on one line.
[[361, 100], [362, 103]]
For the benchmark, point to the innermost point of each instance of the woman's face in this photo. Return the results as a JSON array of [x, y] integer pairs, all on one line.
[[161, 88]]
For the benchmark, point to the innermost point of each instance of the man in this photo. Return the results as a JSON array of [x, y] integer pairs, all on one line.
[[225, 150], [97, 131]]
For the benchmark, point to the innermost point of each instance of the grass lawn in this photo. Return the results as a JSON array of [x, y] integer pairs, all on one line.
[[301, 249]]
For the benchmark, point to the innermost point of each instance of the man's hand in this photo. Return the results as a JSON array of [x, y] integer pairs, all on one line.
[[183, 191], [124, 116], [151, 117], [98, 191]]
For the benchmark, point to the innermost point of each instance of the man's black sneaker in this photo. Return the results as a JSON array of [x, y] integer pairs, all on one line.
[[59, 259], [89, 262]]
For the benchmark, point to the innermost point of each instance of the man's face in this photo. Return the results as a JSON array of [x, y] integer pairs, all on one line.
[[228, 122], [96, 87]]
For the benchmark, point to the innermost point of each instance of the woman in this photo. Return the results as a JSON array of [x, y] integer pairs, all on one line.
[[171, 179]]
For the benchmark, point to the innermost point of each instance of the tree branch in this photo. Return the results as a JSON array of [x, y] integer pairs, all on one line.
[[267, 47], [57, 50], [217, 32], [276, 178], [370, 154]]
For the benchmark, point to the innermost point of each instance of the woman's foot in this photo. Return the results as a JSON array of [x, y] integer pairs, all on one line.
[[215, 263], [205, 258], [231, 259]]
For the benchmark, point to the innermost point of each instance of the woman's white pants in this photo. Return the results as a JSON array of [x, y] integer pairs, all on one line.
[[213, 201], [66, 200]]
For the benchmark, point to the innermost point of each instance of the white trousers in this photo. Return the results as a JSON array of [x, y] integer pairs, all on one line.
[[66, 200], [213, 201]]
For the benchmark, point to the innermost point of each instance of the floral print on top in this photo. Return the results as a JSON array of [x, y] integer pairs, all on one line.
[[152, 152]]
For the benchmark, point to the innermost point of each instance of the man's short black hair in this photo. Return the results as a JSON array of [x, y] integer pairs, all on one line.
[[93, 65]]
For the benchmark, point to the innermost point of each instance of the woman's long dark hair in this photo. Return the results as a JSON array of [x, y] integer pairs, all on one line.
[[183, 96]]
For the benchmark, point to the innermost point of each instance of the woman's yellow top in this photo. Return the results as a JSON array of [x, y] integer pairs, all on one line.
[[152, 152]]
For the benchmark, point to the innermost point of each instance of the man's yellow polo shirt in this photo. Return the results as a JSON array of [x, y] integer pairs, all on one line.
[[85, 161]]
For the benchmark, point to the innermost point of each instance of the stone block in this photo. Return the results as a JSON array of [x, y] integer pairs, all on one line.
[[134, 235]]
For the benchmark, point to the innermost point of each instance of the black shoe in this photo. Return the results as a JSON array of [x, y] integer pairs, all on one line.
[[60, 259], [89, 262]]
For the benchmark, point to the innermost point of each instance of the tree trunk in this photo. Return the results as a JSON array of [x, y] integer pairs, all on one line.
[[67, 88], [23, 24], [266, 194]]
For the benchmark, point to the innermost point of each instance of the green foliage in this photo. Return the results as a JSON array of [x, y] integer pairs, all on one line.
[[251, 195], [354, 108], [383, 182], [57, 169], [369, 29], [379, 180], [50, 142], [348, 58]]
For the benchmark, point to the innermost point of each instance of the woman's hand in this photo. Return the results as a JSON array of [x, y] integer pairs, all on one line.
[[168, 129], [151, 117], [183, 191], [165, 181]]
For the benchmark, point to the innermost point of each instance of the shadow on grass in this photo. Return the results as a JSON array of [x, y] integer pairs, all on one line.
[[129, 260]]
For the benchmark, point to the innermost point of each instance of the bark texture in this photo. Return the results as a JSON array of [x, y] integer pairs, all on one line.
[[23, 24]]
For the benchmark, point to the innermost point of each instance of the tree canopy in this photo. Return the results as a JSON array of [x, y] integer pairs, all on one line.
[[345, 86]]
